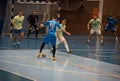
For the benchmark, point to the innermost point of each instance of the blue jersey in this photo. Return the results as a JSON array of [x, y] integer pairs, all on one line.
[[111, 22], [52, 25], [51, 34]]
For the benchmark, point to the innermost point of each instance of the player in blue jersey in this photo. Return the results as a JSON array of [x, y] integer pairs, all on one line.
[[112, 24], [51, 35]]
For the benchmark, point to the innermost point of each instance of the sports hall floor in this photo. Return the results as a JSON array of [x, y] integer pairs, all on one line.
[[93, 62]]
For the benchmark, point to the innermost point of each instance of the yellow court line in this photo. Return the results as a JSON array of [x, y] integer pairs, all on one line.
[[56, 69], [77, 65], [96, 71]]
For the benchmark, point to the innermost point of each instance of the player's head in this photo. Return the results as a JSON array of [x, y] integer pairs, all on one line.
[[114, 16], [34, 13], [20, 12], [95, 17], [54, 17], [64, 21]]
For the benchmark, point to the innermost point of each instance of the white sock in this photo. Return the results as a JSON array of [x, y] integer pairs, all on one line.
[[18, 42], [67, 48]]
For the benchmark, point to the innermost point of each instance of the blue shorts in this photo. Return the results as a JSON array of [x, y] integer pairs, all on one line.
[[51, 39], [18, 31], [110, 28]]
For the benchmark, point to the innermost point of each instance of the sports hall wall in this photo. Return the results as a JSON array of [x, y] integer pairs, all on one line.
[[2, 13], [79, 12]]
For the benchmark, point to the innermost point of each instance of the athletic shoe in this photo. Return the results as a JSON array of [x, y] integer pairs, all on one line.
[[39, 55], [68, 52], [53, 58], [18, 45], [14, 44], [88, 42]]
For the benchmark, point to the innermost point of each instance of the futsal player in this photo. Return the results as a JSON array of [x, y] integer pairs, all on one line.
[[112, 25], [33, 22], [60, 37], [18, 28], [51, 35], [95, 25]]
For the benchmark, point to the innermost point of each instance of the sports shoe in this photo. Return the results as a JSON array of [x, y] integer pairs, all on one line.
[[18, 45], [88, 41], [14, 44], [39, 55], [68, 52], [53, 58]]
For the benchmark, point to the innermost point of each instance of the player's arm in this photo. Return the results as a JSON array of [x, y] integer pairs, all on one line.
[[88, 25], [58, 25], [44, 24], [65, 31], [14, 25]]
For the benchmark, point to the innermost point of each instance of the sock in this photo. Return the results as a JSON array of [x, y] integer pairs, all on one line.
[[42, 46], [67, 48], [18, 43], [54, 50]]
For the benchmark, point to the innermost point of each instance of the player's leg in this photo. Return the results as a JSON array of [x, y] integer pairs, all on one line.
[[105, 31], [58, 41], [65, 44], [54, 51], [21, 37], [91, 33], [41, 48], [36, 28], [29, 31], [53, 42], [14, 38], [100, 36], [46, 41], [114, 33]]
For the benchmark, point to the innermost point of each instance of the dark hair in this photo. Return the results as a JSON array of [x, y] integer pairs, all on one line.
[[54, 17], [20, 10]]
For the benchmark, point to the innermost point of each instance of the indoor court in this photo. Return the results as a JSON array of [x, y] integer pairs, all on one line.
[[91, 61]]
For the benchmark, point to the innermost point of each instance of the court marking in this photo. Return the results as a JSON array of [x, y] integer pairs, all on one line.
[[52, 68], [18, 74], [76, 65], [86, 68]]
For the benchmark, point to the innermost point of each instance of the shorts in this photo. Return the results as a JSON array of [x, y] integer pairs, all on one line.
[[110, 28], [95, 31], [18, 31], [51, 39]]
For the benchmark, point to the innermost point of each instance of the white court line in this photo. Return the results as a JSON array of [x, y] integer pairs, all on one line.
[[18, 74], [40, 67]]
